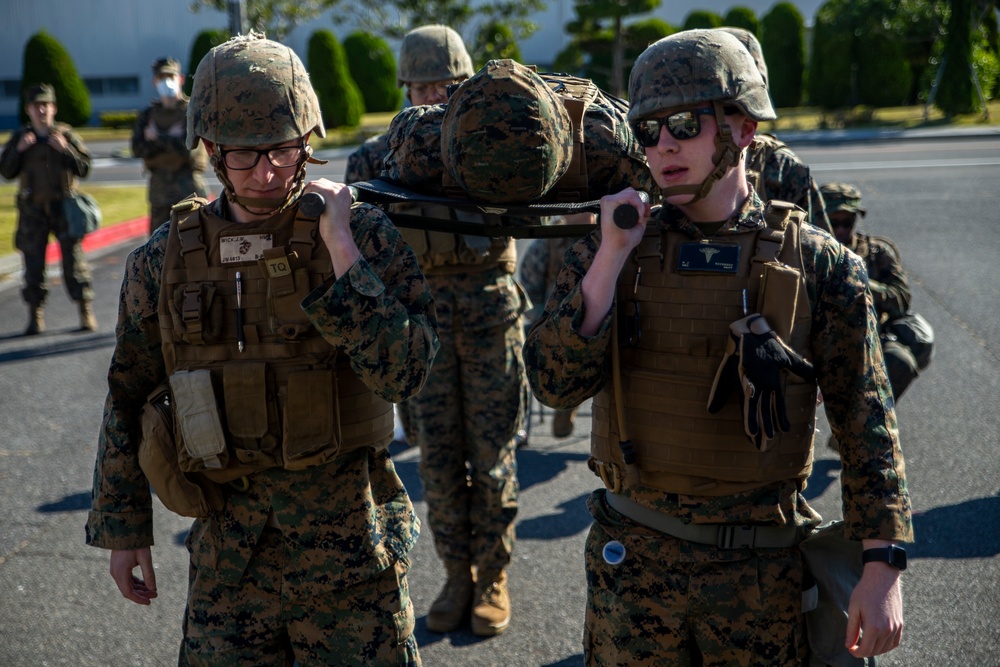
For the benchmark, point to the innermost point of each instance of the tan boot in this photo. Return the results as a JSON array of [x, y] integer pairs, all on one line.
[[36, 323], [562, 423], [452, 605], [87, 320], [491, 613]]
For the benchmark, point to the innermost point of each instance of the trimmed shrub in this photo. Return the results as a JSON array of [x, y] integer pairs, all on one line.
[[118, 120], [340, 101], [883, 73], [830, 76], [494, 40], [373, 68], [957, 94], [742, 17], [702, 19], [204, 42], [46, 61], [783, 41]]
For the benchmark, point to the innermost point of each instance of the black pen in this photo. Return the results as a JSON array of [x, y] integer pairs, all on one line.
[[240, 336]]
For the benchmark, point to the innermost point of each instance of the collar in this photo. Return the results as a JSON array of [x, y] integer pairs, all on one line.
[[747, 218]]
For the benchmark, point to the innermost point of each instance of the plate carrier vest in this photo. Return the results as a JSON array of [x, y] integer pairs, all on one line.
[[674, 325], [289, 399]]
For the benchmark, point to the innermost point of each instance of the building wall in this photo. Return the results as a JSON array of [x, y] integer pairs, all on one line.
[[114, 42]]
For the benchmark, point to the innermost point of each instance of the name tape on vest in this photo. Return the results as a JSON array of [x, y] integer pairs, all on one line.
[[708, 258], [248, 248]]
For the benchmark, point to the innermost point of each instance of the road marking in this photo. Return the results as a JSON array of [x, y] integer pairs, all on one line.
[[901, 164]]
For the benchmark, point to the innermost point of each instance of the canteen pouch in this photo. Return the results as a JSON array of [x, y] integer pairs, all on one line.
[[197, 416], [179, 493], [779, 287], [834, 563], [311, 419]]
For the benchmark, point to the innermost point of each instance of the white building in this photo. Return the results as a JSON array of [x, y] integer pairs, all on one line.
[[114, 42]]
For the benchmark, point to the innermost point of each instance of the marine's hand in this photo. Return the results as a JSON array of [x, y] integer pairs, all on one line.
[[613, 236], [140, 590], [28, 139], [58, 141], [177, 129], [150, 132], [335, 223], [875, 613]]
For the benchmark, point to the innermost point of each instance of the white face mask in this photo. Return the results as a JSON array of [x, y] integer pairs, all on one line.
[[168, 87]]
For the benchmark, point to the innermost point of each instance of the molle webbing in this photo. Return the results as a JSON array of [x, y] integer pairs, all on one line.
[[448, 253], [288, 399], [667, 374]]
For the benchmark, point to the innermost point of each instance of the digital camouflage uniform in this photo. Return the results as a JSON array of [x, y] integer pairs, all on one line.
[[175, 172], [777, 173], [365, 163], [653, 598], [45, 175], [305, 563], [632, 608], [887, 282], [467, 415]]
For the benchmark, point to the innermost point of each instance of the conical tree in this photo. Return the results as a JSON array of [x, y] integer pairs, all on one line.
[[46, 61], [203, 43], [495, 40], [339, 98], [957, 94], [373, 68]]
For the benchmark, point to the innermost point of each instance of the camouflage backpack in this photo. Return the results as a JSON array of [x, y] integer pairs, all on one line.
[[492, 146]]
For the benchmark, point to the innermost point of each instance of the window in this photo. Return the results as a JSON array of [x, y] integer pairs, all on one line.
[[113, 85]]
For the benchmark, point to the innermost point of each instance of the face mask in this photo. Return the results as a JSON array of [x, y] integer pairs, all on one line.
[[168, 87]]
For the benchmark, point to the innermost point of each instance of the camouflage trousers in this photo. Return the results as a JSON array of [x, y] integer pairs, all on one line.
[[672, 602], [258, 623], [465, 420], [31, 238]]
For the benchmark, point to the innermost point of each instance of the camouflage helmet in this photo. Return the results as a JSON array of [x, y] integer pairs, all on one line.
[[505, 136], [693, 67], [251, 91], [749, 40], [432, 53], [842, 197]]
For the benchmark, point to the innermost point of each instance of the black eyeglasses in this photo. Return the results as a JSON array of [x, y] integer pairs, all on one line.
[[242, 159], [681, 125]]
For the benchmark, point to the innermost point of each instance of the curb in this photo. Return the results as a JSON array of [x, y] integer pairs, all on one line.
[[96, 240]]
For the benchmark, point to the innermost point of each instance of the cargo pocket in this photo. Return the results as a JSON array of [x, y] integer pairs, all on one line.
[[311, 416]]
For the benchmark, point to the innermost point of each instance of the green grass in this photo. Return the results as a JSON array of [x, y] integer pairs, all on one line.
[[118, 204]]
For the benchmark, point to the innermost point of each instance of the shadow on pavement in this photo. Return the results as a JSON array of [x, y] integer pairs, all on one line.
[[573, 519], [964, 530], [59, 346], [74, 502]]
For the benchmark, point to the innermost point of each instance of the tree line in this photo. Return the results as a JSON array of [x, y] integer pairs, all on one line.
[[873, 53]]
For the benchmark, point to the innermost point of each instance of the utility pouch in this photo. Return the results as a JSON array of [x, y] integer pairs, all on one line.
[[312, 417], [178, 492], [197, 313], [197, 416], [834, 563], [245, 394], [779, 287], [287, 286]]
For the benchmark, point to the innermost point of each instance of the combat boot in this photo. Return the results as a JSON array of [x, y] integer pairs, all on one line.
[[562, 423], [452, 605], [36, 323], [491, 613], [87, 320]]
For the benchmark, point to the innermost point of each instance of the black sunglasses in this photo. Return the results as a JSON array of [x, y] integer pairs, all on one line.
[[681, 125]]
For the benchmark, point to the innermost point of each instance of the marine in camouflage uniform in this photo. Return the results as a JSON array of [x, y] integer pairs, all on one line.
[[537, 273], [159, 138], [439, 150], [430, 58], [47, 158], [886, 278], [692, 557], [773, 169], [305, 560]]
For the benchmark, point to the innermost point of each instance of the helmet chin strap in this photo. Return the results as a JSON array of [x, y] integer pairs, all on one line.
[[727, 155], [265, 205]]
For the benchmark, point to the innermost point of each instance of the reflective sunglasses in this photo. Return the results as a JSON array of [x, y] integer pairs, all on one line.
[[242, 159], [681, 125]]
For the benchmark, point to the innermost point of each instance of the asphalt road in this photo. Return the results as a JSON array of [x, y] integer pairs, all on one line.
[[936, 199]]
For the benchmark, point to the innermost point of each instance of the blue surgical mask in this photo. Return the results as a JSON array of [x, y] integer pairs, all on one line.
[[168, 87]]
